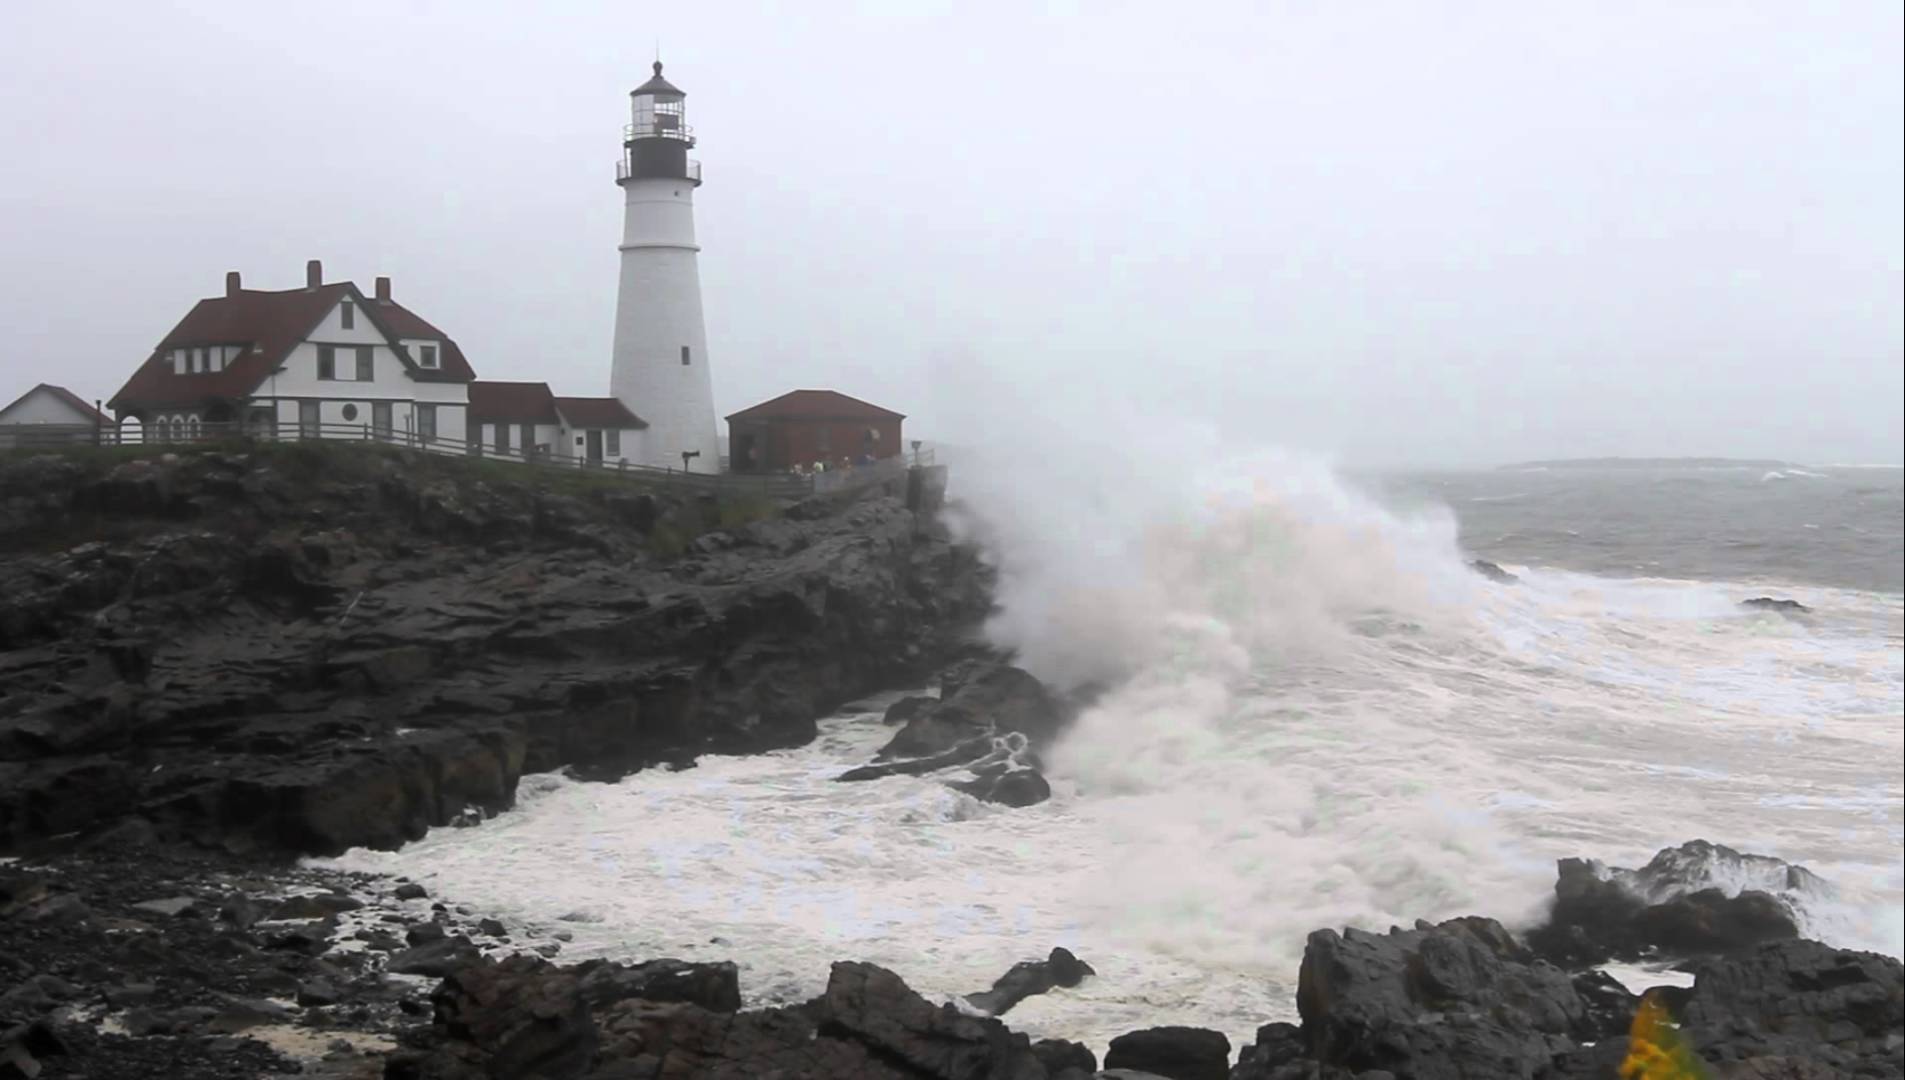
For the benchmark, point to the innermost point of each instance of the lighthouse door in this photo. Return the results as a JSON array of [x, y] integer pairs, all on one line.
[[595, 447]]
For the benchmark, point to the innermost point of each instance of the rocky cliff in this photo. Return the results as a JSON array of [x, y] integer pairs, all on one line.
[[301, 649]]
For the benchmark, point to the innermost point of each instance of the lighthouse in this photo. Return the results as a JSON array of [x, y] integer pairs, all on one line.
[[660, 369]]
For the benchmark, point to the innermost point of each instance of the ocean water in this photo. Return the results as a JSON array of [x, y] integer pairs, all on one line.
[[1312, 714]]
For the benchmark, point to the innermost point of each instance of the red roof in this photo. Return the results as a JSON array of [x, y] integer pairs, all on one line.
[[815, 405], [598, 412], [272, 323], [512, 403], [401, 322], [84, 407]]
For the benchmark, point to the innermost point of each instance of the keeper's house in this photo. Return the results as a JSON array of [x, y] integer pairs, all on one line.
[[326, 361], [304, 362]]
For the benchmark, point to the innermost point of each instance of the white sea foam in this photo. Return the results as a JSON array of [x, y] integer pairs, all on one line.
[[1314, 715]]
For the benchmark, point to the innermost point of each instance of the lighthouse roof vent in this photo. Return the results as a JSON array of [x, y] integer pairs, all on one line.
[[658, 86]]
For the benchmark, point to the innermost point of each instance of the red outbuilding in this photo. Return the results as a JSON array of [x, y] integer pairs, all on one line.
[[805, 427]]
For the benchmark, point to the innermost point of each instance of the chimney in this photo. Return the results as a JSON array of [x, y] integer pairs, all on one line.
[[383, 290], [231, 283], [313, 274]]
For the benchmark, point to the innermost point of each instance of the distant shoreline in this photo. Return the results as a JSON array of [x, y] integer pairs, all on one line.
[[1650, 463]]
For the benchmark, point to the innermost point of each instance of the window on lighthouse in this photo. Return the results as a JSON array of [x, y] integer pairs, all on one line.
[[686, 357]]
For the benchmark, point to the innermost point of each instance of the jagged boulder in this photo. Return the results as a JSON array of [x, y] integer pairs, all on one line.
[[1029, 977], [1780, 604], [1461, 997], [1174, 1053], [981, 699], [982, 734], [1800, 1001], [1492, 571], [1673, 906], [525, 1017]]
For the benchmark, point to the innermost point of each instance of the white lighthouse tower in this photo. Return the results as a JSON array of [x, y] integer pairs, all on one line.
[[661, 347]]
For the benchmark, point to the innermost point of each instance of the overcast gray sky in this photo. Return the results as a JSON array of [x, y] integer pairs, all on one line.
[[1395, 232]]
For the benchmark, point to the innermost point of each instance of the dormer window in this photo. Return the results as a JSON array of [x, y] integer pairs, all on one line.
[[347, 313], [427, 356]]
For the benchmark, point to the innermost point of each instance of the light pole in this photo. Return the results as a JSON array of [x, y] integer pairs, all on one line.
[[916, 443], [687, 456]]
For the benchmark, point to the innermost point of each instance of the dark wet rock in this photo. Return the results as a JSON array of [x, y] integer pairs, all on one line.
[[1609, 1006], [1065, 1060], [1276, 1046], [1013, 787], [305, 649], [241, 911], [1800, 1001], [310, 939], [410, 890], [1671, 906], [958, 755], [19, 889], [1177, 1053], [958, 738], [714, 986], [424, 933], [436, 958], [1779, 604], [23, 1045], [987, 700], [873, 1007], [1492, 572], [237, 1013], [1007, 775], [492, 927], [523, 1017], [1029, 977], [314, 906], [907, 708], [1462, 994], [318, 992]]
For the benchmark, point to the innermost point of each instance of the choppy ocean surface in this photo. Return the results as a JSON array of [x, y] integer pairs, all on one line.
[[1318, 717]]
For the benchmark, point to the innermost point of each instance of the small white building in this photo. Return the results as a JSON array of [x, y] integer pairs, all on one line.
[[49, 413], [305, 363], [527, 420]]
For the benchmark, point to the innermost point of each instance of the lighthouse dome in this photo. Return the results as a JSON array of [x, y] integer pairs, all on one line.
[[657, 87]]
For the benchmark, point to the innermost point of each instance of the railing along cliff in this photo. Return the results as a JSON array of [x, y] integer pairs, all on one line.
[[767, 485]]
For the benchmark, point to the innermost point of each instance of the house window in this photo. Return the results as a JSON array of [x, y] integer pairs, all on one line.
[[366, 372], [327, 362], [426, 422], [528, 438], [427, 356], [686, 357], [205, 359], [614, 437], [502, 438], [350, 412], [347, 313]]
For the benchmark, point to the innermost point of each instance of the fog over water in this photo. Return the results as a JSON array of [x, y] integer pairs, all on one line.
[[1390, 232]]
